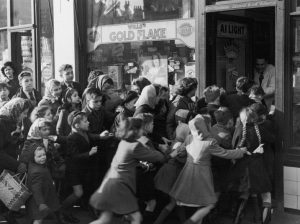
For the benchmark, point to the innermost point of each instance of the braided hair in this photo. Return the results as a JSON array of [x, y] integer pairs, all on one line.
[[251, 117]]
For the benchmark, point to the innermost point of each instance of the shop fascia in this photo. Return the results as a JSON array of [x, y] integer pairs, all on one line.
[[180, 29]]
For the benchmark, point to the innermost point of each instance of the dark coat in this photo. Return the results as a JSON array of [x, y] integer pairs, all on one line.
[[14, 86], [41, 184], [180, 102], [20, 93], [76, 85], [236, 102], [96, 119], [62, 127], [258, 180], [8, 145]]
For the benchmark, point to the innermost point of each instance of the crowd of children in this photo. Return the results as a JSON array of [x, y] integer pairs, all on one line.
[[139, 154]]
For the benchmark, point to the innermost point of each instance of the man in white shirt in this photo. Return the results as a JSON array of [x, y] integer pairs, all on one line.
[[264, 76]]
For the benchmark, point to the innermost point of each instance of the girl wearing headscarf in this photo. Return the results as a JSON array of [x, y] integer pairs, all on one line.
[[52, 97], [11, 115], [196, 173], [39, 134]]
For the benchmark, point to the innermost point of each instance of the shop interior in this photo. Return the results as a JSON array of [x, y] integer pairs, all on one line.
[[234, 40]]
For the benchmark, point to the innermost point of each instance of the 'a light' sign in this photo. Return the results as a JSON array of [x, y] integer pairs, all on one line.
[[232, 30]]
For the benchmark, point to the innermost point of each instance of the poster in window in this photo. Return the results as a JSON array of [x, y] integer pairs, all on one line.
[[155, 68]]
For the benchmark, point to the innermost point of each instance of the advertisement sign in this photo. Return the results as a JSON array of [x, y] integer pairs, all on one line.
[[183, 29], [232, 30]]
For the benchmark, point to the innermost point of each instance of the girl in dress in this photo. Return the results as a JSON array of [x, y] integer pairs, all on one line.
[[194, 185], [249, 175], [116, 194]]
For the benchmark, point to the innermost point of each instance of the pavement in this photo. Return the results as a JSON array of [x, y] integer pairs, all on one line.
[[278, 217]]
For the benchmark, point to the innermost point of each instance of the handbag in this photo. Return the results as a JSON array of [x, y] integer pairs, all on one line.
[[13, 190]]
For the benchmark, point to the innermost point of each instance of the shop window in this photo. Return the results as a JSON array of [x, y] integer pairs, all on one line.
[[163, 51], [125, 11], [3, 47], [3, 13], [21, 12], [296, 83], [46, 42]]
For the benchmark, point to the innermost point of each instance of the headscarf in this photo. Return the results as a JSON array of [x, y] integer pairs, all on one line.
[[101, 80], [48, 87], [14, 108], [34, 131], [199, 124], [147, 97], [93, 75], [182, 115], [182, 131]]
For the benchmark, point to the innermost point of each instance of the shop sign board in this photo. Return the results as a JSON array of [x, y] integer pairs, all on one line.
[[232, 30], [182, 29]]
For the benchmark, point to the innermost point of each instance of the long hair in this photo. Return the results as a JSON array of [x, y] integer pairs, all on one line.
[[129, 129]]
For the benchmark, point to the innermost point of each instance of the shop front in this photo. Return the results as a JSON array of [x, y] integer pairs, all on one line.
[[26, 37]]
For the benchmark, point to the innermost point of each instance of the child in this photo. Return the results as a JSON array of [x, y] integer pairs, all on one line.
[[249, 173], [167, 175], [212, 98], [53, 96], [94, 110], [71, 102], [39, 134], [44, 199], [257, 94], [66, 72], [80, 160], [27, 91], [126, 109], [196, 174], [116, 194], [41, 112], [4, 93]]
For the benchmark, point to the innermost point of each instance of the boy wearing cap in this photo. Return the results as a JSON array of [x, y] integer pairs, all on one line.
[[27, 91]]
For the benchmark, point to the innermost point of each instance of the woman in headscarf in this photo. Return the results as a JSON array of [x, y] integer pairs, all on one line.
[[8, 70], [154, 99], [183, 100], [11, 115]]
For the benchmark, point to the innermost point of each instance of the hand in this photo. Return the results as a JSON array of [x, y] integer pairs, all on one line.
[[163, 147], [105, 135], [245, 150], [259, 149], [56, 145], [22, 168], [52, 138], [174, 153], [93, 151], [166, 141]]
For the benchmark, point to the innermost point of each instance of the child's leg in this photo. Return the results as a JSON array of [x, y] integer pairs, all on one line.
[[72, 198], [105, 218], [166, 211], [198, 216], [267, 206], [136, 218], [37, 221]]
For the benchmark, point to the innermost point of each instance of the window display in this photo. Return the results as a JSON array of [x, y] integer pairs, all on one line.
[[155, 39]]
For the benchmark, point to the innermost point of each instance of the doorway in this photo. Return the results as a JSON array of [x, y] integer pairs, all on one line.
[[234, 40]]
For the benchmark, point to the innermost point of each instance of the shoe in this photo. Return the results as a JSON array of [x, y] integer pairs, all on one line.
[[240, 211], [9, 217], [268, 216], [70, 218]]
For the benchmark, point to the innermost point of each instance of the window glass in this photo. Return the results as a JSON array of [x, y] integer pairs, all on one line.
[[296, 84], [3, 47], [21, 12], [46, 40], [3, 13]]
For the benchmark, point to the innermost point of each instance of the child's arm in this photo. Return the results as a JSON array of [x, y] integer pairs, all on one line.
[[60, 126], [216, 150]]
